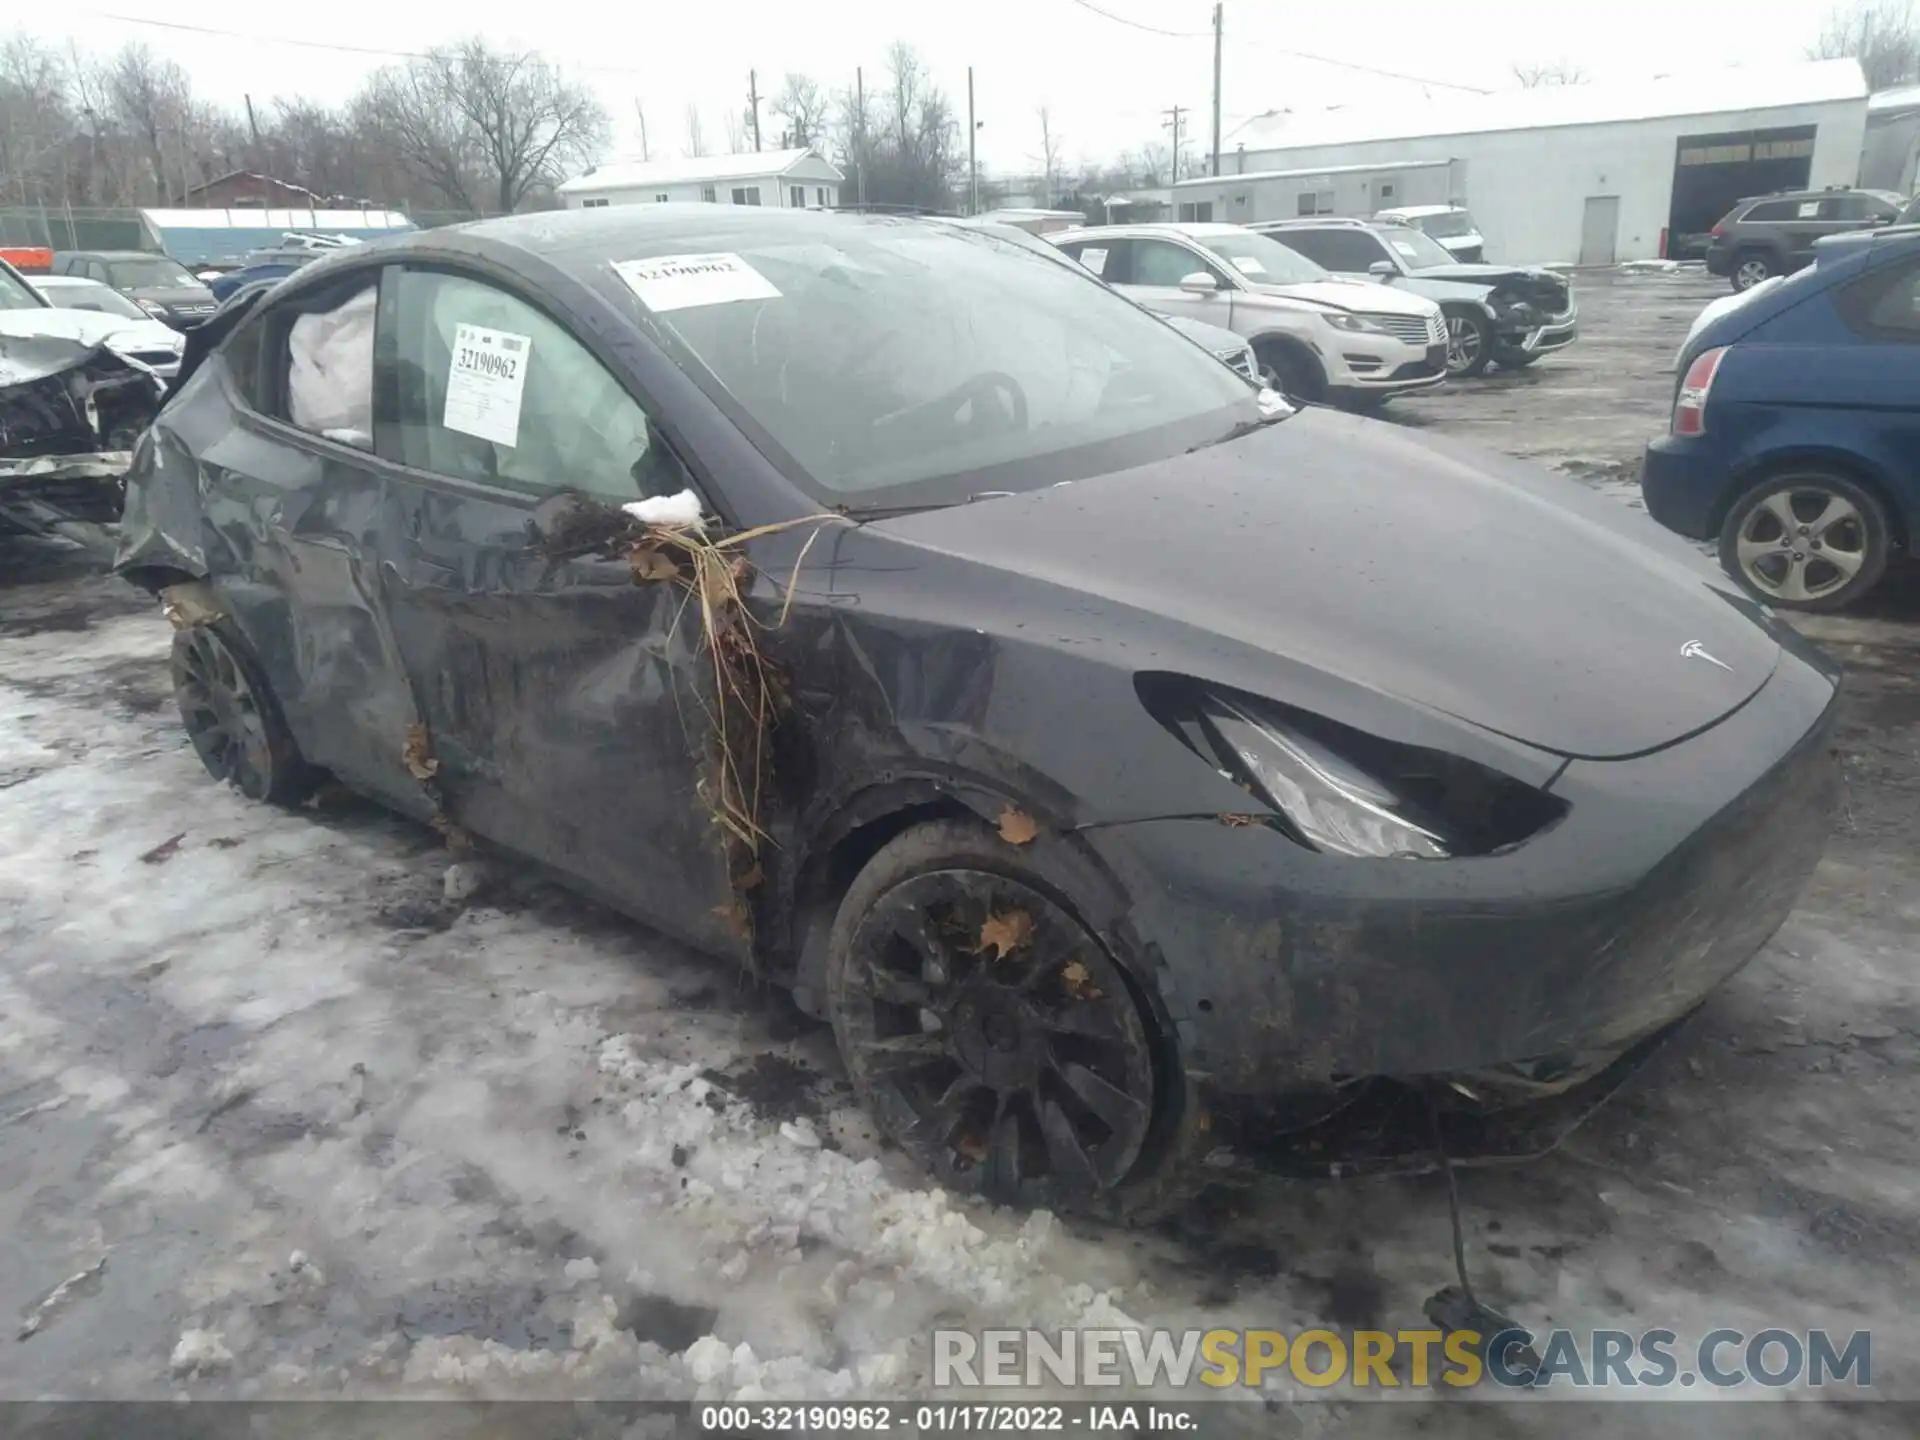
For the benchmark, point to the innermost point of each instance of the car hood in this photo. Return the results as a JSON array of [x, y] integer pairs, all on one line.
[[1350, 295], [1527, 281], [171, 294], [1444, 576], [90, 327]]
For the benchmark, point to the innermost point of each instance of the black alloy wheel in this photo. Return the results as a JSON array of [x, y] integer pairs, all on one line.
[[232, 719], [992, 1037]]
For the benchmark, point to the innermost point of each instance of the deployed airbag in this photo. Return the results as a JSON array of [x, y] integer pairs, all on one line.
[[330, 371]]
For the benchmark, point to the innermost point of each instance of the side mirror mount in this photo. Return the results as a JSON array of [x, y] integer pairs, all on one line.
[[1199, 283], [1383, 269]]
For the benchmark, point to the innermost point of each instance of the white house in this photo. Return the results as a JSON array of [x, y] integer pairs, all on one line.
[[1587, 173], [796, 179]]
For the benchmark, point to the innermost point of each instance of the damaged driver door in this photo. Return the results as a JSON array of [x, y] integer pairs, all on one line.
[[563, 702]]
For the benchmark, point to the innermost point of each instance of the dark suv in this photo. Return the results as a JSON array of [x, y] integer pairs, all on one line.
[[158, 284], [1768, 235]]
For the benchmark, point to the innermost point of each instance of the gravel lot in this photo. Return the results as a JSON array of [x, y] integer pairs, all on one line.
[[337, 1126]]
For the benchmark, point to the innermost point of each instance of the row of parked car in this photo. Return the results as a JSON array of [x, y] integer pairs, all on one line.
[[1348, 311]]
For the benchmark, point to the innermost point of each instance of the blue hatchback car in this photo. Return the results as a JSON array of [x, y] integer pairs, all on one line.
[[1795, 437]]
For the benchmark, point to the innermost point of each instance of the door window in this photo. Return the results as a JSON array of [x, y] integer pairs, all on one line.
[[797, 196], [488, 388], [1105, 258], [1161, 262]]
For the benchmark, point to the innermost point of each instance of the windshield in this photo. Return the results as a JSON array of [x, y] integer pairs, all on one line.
[[94, 297], [1261, 260], [905, 363], [1416, 251], [157, 272], [1447, 225], [15, 293]]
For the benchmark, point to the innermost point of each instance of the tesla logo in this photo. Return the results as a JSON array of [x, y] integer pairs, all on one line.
[[1694, 650]]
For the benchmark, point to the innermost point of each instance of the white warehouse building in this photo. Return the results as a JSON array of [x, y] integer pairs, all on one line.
[[1590, 174], [795, 179]]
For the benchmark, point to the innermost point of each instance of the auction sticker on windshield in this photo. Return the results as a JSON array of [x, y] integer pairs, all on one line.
[[485, 380], [1247, 265], [680, 282], [1094, 260]]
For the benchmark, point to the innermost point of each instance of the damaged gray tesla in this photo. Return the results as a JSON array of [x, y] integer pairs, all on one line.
[[1130, 768]]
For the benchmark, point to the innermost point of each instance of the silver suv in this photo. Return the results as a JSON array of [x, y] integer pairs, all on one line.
[[1317, 338]]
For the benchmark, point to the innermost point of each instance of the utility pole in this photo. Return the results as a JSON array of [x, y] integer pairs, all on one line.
[[1174, 115], [860, 137], [753, 103], [1218, 25], [253, 125], [641, 111], [973, 166]]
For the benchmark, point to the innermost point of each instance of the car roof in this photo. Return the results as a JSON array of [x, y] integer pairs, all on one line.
[[113, 255], [75, 282], [1420, 212], [1192, 229], [1345, 221]]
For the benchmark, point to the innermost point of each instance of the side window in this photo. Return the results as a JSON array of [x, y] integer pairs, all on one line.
[[797, 196], [708, 193], [97, 270], [746, 194], [242, 354], [1102, 257], [491, 389], [1161, 262], [1342, 251], [1885, 306], [1769, 210]]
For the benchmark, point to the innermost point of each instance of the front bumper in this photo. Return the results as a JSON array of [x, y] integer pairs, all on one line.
[[1282, 969], [1360, 364], [1554, 333]]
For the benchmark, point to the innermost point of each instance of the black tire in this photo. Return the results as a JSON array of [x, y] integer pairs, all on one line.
[[1750, 267], [1291, 371], [1469, 344], [1028, 1072], [1807, 540], [232, 718], [1362, 402], [1515, 360]]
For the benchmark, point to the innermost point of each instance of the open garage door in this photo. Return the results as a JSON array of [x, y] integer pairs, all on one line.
[[1714, 172]]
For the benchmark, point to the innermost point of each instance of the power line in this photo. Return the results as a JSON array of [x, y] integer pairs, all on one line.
[[1367, 69], [1150, 29]]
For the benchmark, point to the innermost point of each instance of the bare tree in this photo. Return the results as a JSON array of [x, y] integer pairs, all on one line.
[[36, 121], [803, 105], [1549, 73], [485, 127], [149, 99], [1882, 35], [696, 133], [1048, 159], [736, 123]]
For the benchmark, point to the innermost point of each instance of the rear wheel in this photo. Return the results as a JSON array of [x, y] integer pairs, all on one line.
[[232, 718], [1807, 541], [1469, 344], [1750, 267], [992, 1036]]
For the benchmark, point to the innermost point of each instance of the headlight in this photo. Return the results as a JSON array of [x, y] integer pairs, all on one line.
[[1341, 791], [1342, 321], [1337, 807]]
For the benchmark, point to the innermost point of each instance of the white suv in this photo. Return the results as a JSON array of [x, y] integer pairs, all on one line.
[[1317, 337]]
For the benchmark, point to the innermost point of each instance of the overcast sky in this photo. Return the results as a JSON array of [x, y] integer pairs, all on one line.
[[1106, 83]]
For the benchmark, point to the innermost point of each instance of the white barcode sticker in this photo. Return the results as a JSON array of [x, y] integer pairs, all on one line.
[[485, 381]]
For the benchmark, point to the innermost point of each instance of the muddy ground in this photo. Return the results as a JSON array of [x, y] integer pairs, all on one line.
[[337, 1126]]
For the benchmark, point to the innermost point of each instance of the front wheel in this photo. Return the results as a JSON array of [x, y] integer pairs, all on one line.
[[1750, 269], [1807, 541], [1294, 373], [992, 1036], [1469, 344]]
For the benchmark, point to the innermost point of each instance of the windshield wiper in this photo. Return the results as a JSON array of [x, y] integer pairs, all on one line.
[[882, 512], [1245, 428]]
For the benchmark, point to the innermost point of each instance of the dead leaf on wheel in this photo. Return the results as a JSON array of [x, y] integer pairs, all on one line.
[[1238, 820], [650, 562], [971, 1147], [1003, 932], [1079, 982], [418, 754], [164, 851], [1017, 827]]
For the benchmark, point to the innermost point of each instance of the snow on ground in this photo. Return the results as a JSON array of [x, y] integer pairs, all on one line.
[[338, 1127]]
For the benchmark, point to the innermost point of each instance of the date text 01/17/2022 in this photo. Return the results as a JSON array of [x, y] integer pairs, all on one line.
[[956, 1417]]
